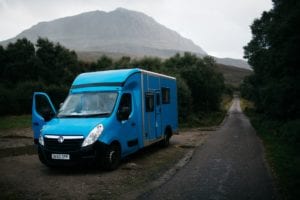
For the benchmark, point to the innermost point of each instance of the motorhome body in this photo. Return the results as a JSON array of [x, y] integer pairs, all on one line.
[[106, 116]]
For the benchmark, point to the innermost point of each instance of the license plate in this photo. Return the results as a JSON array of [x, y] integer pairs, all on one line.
[[60, 156]]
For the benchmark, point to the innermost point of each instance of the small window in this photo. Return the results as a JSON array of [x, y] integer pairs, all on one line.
[[165, 95], [149, 102]]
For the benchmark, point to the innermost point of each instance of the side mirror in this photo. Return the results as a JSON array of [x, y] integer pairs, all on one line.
[[47, 114], [123, 113]]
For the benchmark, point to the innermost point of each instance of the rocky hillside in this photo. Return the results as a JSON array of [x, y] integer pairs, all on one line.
[[120, 31]]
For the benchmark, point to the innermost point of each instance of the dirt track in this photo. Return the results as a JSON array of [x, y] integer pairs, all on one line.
[[24, 177]]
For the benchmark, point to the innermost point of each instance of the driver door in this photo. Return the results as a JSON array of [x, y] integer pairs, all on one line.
[[42, 112]]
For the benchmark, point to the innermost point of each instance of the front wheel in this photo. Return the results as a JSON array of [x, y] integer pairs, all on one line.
[[44, 160], [111, 157]]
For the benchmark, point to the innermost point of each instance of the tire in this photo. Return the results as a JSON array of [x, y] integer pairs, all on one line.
[[44, 161], [112, 157], [166, 141], [42, 158]]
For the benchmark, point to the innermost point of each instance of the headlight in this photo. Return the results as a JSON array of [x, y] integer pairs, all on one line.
[[93, 135], [41, 140]]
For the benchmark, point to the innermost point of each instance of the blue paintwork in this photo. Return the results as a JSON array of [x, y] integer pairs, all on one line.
[[145, 129], [37, 120], [110, 76], [71, 126]]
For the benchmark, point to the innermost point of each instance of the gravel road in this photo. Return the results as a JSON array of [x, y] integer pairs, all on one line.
[[230, 165], [22, 176]]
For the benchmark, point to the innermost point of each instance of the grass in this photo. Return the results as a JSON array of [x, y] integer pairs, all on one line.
[[246, 105], [8, 122], [209, 119], [281, 141]]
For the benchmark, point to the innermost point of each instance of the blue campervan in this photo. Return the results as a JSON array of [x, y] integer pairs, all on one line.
[[106, 116]]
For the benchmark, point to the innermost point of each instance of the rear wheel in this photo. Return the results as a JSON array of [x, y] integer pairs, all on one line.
[[112, 157], [166, 141]]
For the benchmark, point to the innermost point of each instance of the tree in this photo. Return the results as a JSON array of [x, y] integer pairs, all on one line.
[[104, 63], [273, 53], [57, 64], [181, 62], [18, 61], [123, 62], [185, 100], [2, 61], [25, 69], [205, 85], [206, 88], [148, 63]]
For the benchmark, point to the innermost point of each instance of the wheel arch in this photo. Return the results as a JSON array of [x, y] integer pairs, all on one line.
[[168, 131], [117, 143]]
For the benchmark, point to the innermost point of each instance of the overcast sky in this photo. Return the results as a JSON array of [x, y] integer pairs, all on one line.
[[220, 27]]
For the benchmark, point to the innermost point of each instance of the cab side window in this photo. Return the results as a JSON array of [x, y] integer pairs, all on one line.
[[125, 107]]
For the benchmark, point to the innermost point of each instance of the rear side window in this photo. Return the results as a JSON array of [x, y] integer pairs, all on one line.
[[165, 95], [149, 102]]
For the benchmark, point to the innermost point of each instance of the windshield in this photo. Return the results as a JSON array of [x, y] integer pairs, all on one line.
[[88, 104]]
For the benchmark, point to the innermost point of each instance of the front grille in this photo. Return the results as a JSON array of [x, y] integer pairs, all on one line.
[[67, 145]]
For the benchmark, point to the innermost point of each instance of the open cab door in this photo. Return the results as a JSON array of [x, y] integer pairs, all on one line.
[[42, 112]]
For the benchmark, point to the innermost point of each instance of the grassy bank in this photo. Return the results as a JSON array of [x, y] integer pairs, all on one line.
[[211, 118], [8, 122], [281, 141]]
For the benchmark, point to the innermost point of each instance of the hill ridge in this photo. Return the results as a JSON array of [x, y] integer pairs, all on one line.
[[120, 31]]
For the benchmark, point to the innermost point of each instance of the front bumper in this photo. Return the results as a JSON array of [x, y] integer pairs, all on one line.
[[91, 153]]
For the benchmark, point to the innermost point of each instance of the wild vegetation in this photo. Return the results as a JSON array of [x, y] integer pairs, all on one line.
[[273, 53], [47, 66], [274, 87]]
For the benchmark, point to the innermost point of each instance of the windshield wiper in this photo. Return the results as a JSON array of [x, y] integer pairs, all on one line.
[[96, 114]]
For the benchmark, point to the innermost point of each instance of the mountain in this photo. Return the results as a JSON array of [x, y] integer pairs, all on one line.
[[234, 62], [120, 31]]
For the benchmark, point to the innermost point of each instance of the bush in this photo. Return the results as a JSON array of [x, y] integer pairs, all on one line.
[[185, 101], [51, 68], [57, 94], [5, 99], [291, 132]]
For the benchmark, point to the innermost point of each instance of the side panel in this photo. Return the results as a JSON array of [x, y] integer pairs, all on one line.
[[132, 127], [152, 120], [169, 109]]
